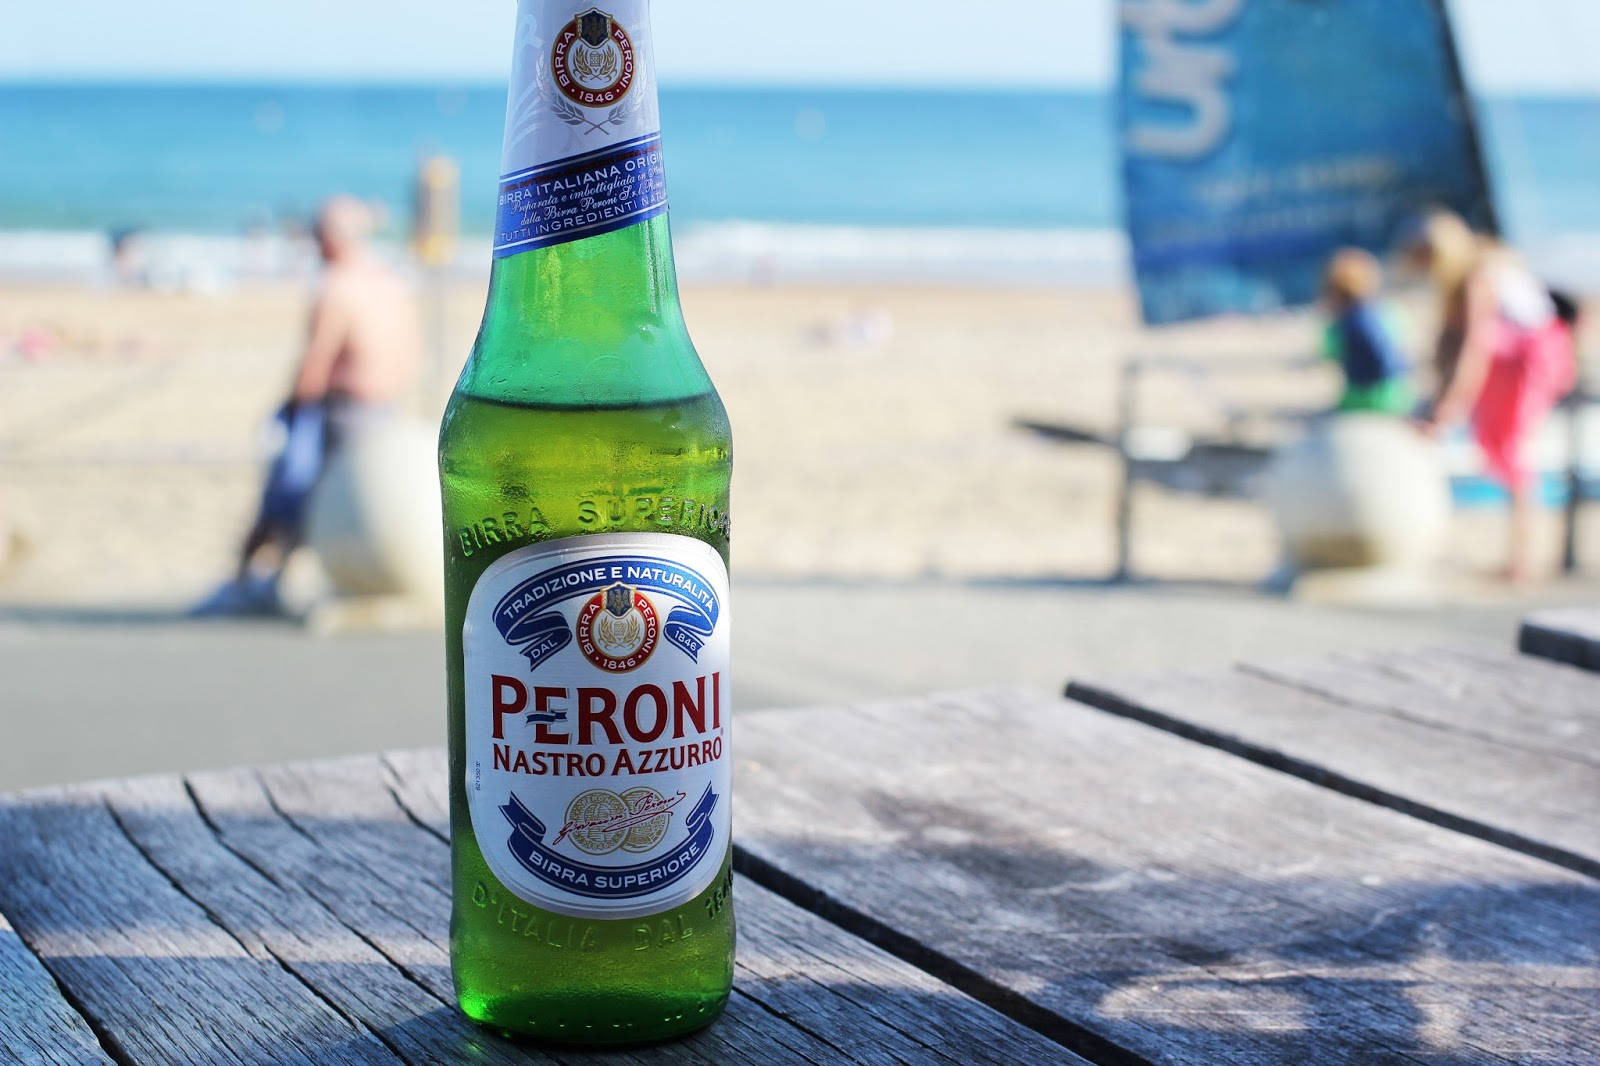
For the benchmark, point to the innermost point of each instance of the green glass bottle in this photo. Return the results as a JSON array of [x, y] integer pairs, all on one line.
[[585, 460]]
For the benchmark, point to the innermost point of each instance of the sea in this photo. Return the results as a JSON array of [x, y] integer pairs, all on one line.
[[800, 182]]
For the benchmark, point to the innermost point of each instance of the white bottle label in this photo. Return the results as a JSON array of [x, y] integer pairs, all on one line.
[[583, 126], [597, 707]]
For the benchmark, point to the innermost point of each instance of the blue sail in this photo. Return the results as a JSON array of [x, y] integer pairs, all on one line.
[[1260, 135]]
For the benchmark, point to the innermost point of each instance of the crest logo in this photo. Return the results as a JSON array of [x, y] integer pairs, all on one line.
[[618, 626], [592, 60], [617, 629], [594, 27]]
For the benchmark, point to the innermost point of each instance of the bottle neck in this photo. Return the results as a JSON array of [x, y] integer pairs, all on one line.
[[625, 277], [583, 295]]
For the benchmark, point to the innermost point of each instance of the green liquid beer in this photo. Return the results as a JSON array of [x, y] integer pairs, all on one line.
[[585, 460]]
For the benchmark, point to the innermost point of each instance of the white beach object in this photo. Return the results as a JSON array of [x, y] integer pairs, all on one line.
[[374, 518], [1361, 491]]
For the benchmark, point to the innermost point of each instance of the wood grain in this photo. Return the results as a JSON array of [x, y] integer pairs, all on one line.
[[1565, 634], [143, 961], [309, 905], [1476, 739], [1166, 902], [865, 1005], [37, 1026], [1474, 689], [272, 912]]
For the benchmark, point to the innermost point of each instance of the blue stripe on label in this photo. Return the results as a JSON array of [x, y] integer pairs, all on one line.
[[581, 196], [539, 636], [527, 846]]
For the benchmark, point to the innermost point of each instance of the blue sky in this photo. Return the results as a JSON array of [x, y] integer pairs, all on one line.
[[1526, 45]]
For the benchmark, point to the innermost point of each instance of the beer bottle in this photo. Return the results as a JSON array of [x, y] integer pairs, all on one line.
[[584, 459]]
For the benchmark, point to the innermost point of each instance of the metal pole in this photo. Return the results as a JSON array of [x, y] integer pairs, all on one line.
[[1490, 220], [436, 227], [1127, 403], [438, 336], [1575, 405]]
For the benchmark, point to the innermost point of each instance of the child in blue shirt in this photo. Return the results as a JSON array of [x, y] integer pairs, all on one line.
[[1362, 339]]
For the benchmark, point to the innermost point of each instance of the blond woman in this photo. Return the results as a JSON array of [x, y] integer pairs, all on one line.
[[1504, 358]]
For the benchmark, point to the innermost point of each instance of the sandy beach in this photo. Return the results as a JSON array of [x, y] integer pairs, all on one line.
[[898, 529], [877, 433]]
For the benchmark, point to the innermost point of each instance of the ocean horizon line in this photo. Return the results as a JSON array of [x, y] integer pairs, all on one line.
[[668, 84], [200, 82]]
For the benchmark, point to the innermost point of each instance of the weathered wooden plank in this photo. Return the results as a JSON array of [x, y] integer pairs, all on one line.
[[268, 871], [416, 779], [36, 1024], [160, 980], [1162, 898], [1474, 689], [387, 968], [274, 916], [369, 867], [795, 965], [1565, 634], [1501, 746], [805, 991]]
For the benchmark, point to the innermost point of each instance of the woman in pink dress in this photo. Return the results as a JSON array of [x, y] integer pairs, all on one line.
[[1504, 358]]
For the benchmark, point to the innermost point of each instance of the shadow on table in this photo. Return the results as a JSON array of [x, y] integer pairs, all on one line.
[[169, 909], [1180, 960], [1175, 958]]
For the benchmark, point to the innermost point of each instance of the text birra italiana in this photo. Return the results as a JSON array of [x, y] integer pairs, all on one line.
[[583, 125], [597, 722]]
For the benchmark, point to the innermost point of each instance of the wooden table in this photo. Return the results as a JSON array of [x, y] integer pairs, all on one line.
[[1565, 634], [1366, 859]]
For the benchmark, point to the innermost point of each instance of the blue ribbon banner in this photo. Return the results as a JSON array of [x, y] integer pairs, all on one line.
[[537, 633], [582, 196], [608, 882]]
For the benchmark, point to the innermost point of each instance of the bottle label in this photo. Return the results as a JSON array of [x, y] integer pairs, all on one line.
[[597, 707], [583, 127]]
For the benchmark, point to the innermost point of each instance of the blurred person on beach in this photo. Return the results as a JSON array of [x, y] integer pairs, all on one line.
[[1504, 358], [130, 266], [362, 355], [1361, 337]]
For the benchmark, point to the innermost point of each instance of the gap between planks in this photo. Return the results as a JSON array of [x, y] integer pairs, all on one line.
[[828, 850], [401, 770], [355, 1021], [1102, 699], [1566, 635], [399, 766], [71, 1009]]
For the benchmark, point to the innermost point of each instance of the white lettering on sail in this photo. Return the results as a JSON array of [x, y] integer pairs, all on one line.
[[1186, 73]]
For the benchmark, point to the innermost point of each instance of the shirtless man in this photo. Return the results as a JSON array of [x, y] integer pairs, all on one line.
[[362, 355], [365, 342]]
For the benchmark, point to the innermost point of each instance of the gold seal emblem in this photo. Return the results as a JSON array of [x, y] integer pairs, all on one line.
[[595, 821], [646, 834], [599, 821]]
